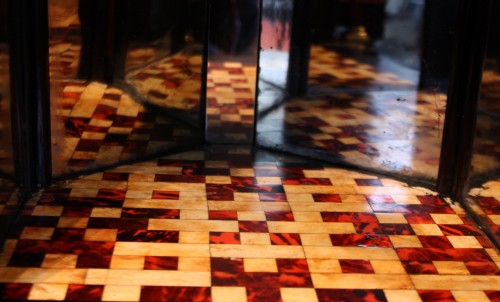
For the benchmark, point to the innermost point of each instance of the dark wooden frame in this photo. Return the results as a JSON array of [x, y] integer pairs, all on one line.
[[30, 93], [463, 95]]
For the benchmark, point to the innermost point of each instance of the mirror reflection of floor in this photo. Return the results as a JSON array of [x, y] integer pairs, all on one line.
[[365, 109], [98, 125], [485, 202]]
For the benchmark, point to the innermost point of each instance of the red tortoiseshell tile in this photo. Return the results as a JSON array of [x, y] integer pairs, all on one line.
[[224, 238], [118, 223], [65, 247], [111, 194], [80, 292], [490, 205], [292, 265], [242, 180], [420, 218], [285, 239], [482, 268], [434, 201], [150, 213], [383, 229], [307, 181], [360, 240], [253, 226], [493, 295], [263, 294], [368, 182], [76, 211], [279, 216], [115, 176], [333, 295], [91, 202], [441, 242], [327, 197], [348, 217], [93, 261], [161, 263], [68, 234], [274, 197], [436, 295], [37, 221], [181, 294], [459, 230], [356, 266], [15, 291], [148, 236], [26, 259], [171, 195], [274, 280], [419, 268], [180, 178], [485, 242], [227, 265], [436, 254], [222, 215]]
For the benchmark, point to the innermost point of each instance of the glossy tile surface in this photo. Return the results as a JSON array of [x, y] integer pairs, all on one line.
[[485, 202], [231, 224]]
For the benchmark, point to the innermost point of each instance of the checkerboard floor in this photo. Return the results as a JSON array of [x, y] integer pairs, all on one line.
[[231, 224], [485, 202]]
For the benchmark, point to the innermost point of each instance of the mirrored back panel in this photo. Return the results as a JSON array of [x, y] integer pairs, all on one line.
[[126, 79], [357, 82], [6, 159], [232, 71]]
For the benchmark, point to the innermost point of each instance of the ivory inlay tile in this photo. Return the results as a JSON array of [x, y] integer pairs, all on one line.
[[353, 253], [59, 261], [405, 241], [193, 225], [455, 282], [47, 211], [311, 227], [470, 295], [39, 233], [324, 265], [194, 237], [427, 230], [388, 267], [255, 238], [194, 214], [446, 219], [260, 265], [190, 264], [298, 294], [307, 216], [121, 293], [127, 262], [391, 218], [229, 294], [100, 234], [251, 215], [255, 251], [464, 242], [147, 277], [42, 275], [361, 281], [316, 239], [451, 267], [48, 292], [83, 192], [160, 249], [402, 295]]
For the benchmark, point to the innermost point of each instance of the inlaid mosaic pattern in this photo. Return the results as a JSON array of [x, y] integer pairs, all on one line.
[[485, 202], [230, 102], [98, 125], [237, 225], [395, 131]]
